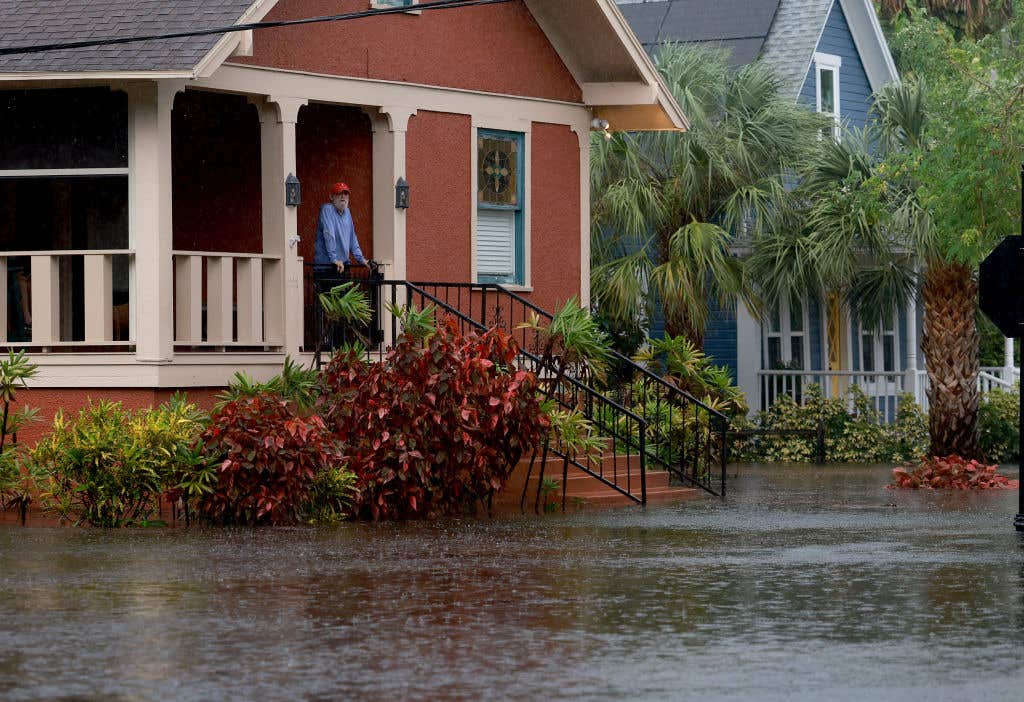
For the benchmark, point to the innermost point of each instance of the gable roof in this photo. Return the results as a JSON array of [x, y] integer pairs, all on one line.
[[784, 33], [738, 25], [617, 77], [49, 21]]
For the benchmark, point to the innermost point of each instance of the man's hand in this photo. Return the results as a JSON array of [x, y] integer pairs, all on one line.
[[340, 265], [366, 264]]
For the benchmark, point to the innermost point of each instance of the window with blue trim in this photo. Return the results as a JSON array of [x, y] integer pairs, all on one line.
[[500, 194]]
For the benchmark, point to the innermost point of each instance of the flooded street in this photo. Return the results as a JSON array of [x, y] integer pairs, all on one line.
[[806, 584]]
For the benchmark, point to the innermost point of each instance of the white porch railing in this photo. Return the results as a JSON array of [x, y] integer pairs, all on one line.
[[67, 309], [228, 299], [883, 388]]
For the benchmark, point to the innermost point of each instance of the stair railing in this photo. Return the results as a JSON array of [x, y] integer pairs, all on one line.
[[685, 437]]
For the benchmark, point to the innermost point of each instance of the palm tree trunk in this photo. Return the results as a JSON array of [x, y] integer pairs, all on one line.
[[680, 324], [950, 345]]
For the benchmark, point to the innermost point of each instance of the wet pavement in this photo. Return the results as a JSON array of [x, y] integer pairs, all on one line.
[[806, 584]]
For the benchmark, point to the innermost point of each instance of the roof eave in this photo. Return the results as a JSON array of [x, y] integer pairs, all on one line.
[[662, 112]]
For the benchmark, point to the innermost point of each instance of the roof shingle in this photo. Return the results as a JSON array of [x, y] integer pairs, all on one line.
[[27, 22]]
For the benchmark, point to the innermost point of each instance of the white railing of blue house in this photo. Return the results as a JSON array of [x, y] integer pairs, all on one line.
[[885, 389], [54, 294], [228, 300]]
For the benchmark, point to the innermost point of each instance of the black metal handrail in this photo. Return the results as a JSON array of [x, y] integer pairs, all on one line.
[[686, 437], [625, 431]]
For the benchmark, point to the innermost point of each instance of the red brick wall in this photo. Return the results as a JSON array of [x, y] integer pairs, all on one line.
[[71, 400], [438, 242], [496, 48], [216, 173], [555, 215], [334, 143]]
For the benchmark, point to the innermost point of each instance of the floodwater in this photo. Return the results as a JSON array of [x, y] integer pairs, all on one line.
[[806, 584]]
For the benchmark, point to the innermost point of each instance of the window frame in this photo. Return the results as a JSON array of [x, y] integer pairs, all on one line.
[[786, 334], [520, 249], [877, 336], [385, 5], [832, 64]]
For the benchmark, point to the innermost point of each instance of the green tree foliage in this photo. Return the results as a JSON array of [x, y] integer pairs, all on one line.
[[666, 205], [973, 18]]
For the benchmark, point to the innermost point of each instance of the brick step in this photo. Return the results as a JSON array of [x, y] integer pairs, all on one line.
[[580, 480]]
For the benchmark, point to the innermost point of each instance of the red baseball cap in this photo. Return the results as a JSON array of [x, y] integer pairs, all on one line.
[[340, 188]]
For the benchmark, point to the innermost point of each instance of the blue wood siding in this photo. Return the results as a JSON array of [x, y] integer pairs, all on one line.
[[854, 87], [720, 336]]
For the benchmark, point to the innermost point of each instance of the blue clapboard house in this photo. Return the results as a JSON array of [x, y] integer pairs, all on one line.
[[831, 55]]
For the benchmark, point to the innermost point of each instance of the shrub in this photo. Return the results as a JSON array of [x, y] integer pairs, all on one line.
[[109, 465], [17, 484], [999, 424], [854, 429], [951, 472], [268, 459], [437, 426]]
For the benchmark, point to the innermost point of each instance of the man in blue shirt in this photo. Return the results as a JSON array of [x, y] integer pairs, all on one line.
[[336, 238]]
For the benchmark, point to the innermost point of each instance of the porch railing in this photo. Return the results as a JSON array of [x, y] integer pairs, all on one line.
[[228, 300], [66, 299], [885, 390]]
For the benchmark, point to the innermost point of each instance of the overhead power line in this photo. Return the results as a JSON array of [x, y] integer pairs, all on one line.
[[58, 46]]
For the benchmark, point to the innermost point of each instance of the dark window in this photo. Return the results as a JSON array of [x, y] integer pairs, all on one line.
[[69, 128]]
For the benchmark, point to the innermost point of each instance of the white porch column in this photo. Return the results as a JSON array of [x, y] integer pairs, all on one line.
[[748, 357], [1008, 360], [283, 311], [390, 124], [583, 134], [150, 227], [913, 384]]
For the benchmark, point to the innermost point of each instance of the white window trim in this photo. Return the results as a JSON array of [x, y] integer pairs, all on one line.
[[379, 5], [829, 62], [522, 126], [786, 334], [877, 348]]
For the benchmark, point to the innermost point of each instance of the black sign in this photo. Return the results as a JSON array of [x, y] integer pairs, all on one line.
[[1001, 286]]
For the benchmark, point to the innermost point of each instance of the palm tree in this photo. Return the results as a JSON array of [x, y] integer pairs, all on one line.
[[666, 205], [974, 18], [864, 233]]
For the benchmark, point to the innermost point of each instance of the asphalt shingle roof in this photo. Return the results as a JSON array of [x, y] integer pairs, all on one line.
[[739, 25], [795, 34], [24, 22], [783, 33]]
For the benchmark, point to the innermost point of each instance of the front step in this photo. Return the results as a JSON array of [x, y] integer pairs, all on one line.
[[583, 491]]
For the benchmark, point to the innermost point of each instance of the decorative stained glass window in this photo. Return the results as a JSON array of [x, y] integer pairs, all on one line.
[[498, 170]]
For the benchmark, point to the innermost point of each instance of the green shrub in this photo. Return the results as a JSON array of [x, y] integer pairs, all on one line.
[[109, 466], [999, 422], [854, 430]]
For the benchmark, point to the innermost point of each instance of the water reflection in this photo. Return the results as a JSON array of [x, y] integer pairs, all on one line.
[[807, 584]]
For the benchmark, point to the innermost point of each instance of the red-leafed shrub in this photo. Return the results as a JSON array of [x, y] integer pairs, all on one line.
[[437, 426], [951, 472], [271, 456]]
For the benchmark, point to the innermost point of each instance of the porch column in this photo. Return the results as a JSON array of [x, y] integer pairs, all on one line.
[[748, 357], [390, 124], [1008, 360], [913, 384], [583, 135], [282, 297], [149, 214]]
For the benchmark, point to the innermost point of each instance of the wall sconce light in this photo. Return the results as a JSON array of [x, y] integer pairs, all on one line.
[[401, 194], [292, 191]]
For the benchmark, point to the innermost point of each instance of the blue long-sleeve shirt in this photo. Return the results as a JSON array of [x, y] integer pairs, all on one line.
[[336, 237]]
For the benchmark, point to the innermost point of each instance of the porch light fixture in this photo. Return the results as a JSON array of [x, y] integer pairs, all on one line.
[[401, 194], [292, 191], [601, 125]]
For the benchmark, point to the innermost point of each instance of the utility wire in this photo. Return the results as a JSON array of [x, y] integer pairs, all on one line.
[[436, 5]]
